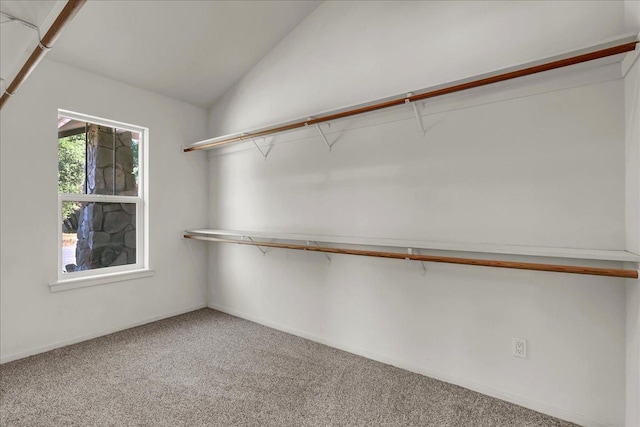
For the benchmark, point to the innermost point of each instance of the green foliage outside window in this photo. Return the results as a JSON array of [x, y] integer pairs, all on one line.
[[71, 168], [135, 144]]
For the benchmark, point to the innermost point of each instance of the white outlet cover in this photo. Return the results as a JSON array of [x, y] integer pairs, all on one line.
[[519, 347]]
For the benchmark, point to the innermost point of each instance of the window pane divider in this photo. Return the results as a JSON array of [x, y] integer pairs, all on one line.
[[106, 198]]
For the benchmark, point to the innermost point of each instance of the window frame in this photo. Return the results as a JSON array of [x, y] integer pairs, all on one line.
[[141, 202]]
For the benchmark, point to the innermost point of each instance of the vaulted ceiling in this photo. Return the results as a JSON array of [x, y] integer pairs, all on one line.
[[193, 51]]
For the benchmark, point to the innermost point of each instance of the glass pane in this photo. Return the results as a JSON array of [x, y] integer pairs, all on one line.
[[100, 158], [72, 162], [135, 145], [98, 235], [94, 159], [126, 163]]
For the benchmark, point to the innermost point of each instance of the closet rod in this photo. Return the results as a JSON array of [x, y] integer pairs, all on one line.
[[594, 271], [66, 15], [578, 59]]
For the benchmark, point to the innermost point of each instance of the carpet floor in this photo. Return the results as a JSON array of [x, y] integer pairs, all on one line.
[[206, 368]]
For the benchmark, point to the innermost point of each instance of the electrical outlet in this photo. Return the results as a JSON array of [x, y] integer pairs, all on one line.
[[519, 346]]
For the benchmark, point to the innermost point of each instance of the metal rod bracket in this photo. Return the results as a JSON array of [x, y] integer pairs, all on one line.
[[323, 136], [407, 100], [418, 118], [12, 18], [309, 242], [424, 267], [259, 248], [263, 153], [27, 24]]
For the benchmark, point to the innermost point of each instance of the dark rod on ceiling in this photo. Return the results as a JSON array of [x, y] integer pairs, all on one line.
[[595, 271], [68, 12], [603, 53]]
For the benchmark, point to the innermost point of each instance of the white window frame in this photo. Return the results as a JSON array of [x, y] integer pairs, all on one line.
[[67, 280]]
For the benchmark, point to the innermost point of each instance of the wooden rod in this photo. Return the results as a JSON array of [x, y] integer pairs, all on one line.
[[594, 271], [603, 53], [68, 12]]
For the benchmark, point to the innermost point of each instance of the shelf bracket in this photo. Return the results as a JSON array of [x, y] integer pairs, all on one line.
[[309, 242], [259, 248], [424, 267], [416, 113], [263, 153], [11, 18], [323, 136]]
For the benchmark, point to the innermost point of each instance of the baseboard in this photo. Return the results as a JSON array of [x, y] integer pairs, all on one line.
[[480, 388], [76, 340]]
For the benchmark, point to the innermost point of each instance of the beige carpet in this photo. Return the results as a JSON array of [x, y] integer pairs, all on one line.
[[206, 368]]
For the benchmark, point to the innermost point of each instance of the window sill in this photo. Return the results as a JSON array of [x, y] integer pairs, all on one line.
[[83, 282]]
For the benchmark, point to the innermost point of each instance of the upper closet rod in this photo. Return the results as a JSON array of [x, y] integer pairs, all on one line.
[[70, 9], [602, 53]]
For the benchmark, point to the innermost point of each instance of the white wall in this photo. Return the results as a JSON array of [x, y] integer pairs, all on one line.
[[632, 127], [632, 124], [32, 318], [542, 170], [544, 166]]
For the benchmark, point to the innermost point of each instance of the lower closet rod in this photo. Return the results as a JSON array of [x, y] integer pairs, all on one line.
[[594, 271]]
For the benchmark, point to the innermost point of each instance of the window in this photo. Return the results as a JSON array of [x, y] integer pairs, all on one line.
[[101, 196]]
